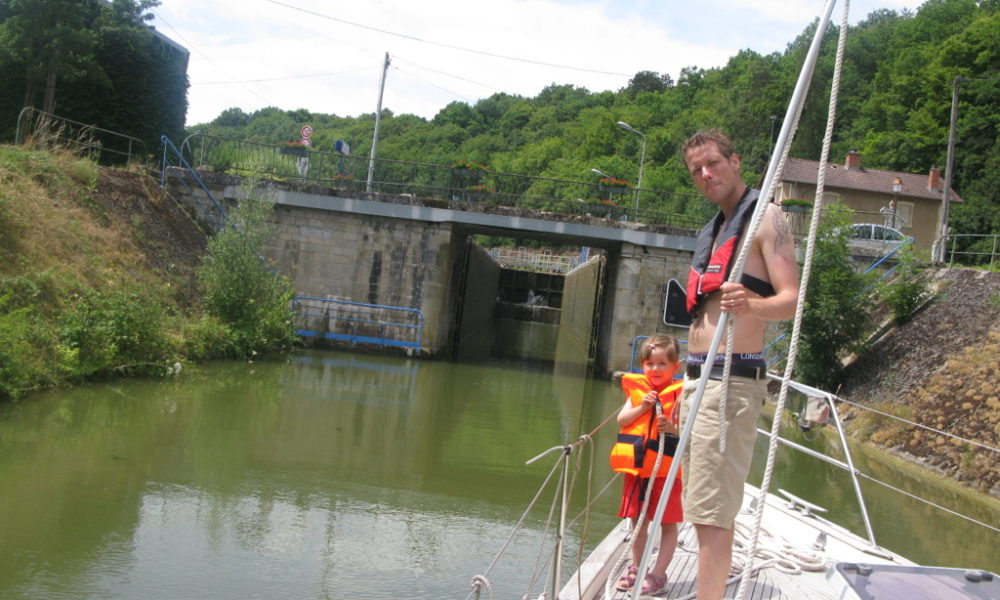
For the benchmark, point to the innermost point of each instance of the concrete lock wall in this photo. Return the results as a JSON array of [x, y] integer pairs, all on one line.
[[634, 299], [482, 278], [392, 250], [579, 303], [366, 259]]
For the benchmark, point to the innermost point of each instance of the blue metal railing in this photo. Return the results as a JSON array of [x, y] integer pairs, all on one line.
[[215, 213], [358, 322], [637, 345]]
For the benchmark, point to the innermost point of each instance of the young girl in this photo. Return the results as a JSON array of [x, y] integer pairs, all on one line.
[[634, 454]]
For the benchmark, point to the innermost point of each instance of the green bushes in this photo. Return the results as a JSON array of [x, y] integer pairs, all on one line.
[[117, 329], [80, 299], [240, 290], [838, 306], [27, 356], [906, 290]]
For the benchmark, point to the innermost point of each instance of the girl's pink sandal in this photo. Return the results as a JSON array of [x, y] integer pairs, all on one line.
[[654, 584], [627, 580]]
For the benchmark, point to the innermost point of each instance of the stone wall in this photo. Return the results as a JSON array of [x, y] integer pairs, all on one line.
[[481, 275], [390, 251], [634, 300], [366, 259]]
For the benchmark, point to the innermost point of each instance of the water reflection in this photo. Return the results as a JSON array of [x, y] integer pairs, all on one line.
[[332, 475]]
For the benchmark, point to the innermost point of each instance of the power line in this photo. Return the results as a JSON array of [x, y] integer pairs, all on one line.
[[445, 90], [439, 72], [306, 76], [209, 60], [449, 46]]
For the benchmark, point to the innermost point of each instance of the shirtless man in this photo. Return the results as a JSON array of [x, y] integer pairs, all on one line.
[[768, 291]]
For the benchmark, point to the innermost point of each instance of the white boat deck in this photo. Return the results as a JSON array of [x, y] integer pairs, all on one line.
[[781, 523]]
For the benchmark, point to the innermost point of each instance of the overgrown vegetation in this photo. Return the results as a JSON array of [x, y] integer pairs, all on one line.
[[79, 300], [94, 62], [839, 305], [908, 287], [894, 109], [240, 290]]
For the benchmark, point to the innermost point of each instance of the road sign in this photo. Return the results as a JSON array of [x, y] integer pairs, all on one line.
[[306, 142], [306, 131]]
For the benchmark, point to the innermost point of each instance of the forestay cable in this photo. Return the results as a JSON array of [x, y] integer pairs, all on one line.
[[803, 286]]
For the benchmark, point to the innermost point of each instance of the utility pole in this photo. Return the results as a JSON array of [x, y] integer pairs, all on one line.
[[378, 119], [946, 194]]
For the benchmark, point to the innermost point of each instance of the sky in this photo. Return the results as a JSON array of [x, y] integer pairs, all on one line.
[[327, 56]]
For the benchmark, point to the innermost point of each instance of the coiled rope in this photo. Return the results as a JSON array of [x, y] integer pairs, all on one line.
[[774, 551]]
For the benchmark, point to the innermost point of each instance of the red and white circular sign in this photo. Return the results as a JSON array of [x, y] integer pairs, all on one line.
[[306, 131]]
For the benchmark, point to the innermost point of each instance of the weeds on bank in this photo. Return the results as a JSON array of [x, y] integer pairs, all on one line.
[[78, 300], [240, 290], [907, 288]]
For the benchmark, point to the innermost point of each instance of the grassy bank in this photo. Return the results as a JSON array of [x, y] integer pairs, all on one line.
[[92, 283]]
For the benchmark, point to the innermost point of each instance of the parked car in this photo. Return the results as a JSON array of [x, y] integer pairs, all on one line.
[[876, 236]]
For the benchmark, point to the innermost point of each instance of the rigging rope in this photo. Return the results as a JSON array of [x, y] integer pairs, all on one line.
[[640, 521], [803, 285], [788, 125], [481, 581]]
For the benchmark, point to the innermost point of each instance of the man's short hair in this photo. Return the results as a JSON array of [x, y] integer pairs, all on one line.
[[705, 136]]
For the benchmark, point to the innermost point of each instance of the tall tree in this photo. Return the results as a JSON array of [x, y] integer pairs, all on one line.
[[48, 40]]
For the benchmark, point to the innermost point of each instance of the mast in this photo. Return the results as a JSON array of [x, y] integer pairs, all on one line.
[[378, 119]]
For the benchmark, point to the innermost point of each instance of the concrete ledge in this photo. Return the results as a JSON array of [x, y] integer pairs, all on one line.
[[570, 228]]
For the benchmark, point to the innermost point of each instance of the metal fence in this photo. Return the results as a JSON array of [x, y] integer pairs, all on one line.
[[974, 249], [538, 261], [358, 322], [428, 180], [47, 130]]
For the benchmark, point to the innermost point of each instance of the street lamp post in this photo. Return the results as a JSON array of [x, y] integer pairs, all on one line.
[[606, 176], [897, 186], [642, 161]]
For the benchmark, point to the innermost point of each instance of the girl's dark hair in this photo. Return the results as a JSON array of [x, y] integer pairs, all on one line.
[[660, 340]]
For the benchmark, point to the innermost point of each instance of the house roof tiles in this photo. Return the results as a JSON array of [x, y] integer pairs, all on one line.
[[799, 170]]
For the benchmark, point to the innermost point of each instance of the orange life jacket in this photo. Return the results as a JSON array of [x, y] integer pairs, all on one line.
[[638, 442]]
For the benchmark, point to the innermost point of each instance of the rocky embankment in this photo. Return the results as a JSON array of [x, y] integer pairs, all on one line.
[[940, 370]]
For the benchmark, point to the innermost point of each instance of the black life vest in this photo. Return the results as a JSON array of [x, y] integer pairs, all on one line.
[[709, 270]]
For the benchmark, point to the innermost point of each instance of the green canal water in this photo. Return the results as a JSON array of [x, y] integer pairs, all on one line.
[[343, 475]]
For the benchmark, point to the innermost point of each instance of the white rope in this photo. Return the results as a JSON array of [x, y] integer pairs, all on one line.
[[803, 285], [517, 526], [641, 519], [480, 580], [775, 553], [478, 583]]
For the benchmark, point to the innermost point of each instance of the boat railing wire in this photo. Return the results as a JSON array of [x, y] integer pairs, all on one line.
[[480, 582], [833, 400]]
